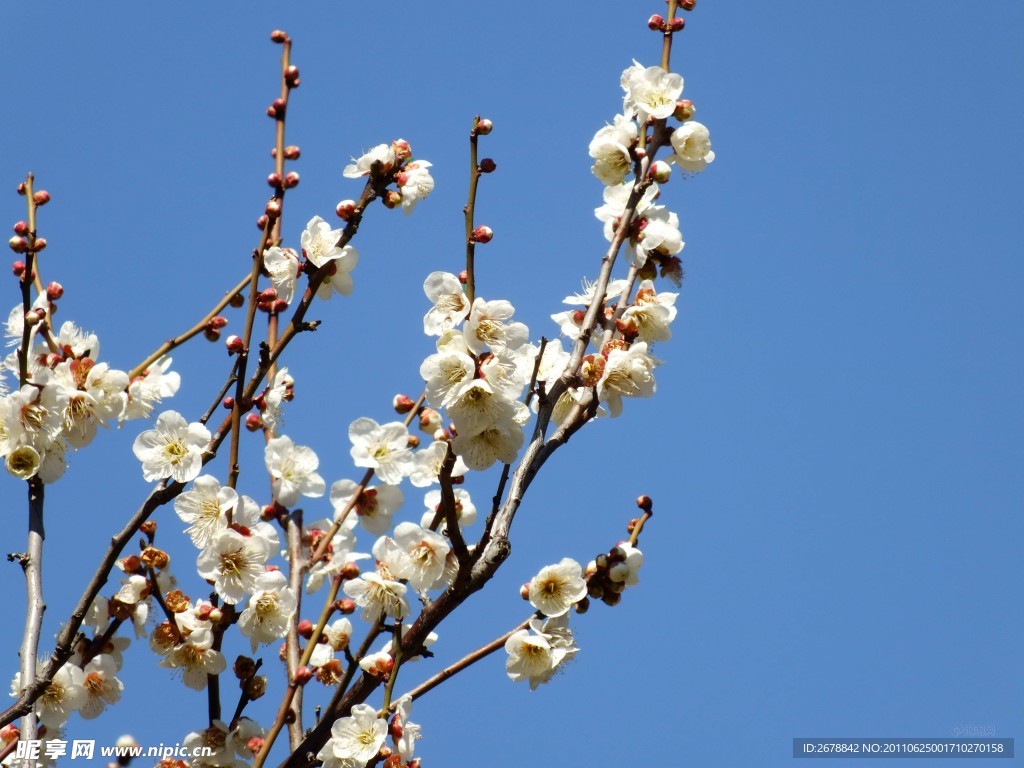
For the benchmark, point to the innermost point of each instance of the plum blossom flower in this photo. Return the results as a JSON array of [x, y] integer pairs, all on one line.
[[500, 442], [464, 508], [270, 608], [355, 740], [173, 449], [610, 149], [204, 507], [652, 313], [382, 447], [650, 92], [320, 244], [101, 686], [444, 373], [149, 390], [692, 144], [278, 391], [382, 153], [292, 470], [375, 505], [450, 303], [377, 596], [233, 563], [415, 183], [531, 657], [405, 744], [489, 327], [627, 373], [555, 589], [283, 266], [426, 554]]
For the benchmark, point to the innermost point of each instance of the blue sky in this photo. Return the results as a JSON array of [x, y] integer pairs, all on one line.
[[835, 449]]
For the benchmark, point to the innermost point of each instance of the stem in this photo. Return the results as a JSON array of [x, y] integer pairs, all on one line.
[[26, 284], [396, 650], [296, 570], [666, 43], [474, 178], [32, 565], [195, 330], [466, 661]]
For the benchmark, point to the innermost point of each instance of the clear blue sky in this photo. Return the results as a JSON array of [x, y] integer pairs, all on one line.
[[835, 451]]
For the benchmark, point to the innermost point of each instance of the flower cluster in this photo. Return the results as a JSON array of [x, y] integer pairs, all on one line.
[[66, 395]]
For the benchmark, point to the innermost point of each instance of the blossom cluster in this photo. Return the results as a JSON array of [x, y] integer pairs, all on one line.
[[66, 394]]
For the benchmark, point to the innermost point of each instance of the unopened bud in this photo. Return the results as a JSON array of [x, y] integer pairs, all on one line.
[[256, 686], [21, 228], [482, 234], [430, 421], [345, 209], [34, 316], [640, 153], [254, 745], [154, 558], [54, 291], [279, 306], [291, 180], [305, 628], [292, 152], [274, 179], [22, 189], [273, 209], [267, 295], [656, 22], [303, 675], [677, 24], [148, 528], [291, 75], [463, 277], [524, 591], [253, 422], [234, 344], [177, 601], [350, 571], [684, 110], [279, 36], [244, 667], [18, 244], [618, 572], [583, 605], [645, 503], [395, 761], [401, 149], [279, 106], [661, 171], [590, 570], [402, 403], [39, 244], [131, 564], [238, 300], [345, 606], [218, 321], [611, 598], [392, 198], [413, 441], [687, 5], [9, 733], [42, 197], [487, 165], [484, 126], [261, 223]]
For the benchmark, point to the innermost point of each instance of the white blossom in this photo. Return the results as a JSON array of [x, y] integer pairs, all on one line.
[[149, 390], [377, 596], [269, 611], [627, 373], [692, 144], [465, 510], [531, 657], [204, 507], [450, 303], [415, 183], [320, 244], [292, 470], [382, 154], [650, 92], [374, 507], [233, 563], [490, 327], [283, 266], [555, 589], [382, 447], [426, 553], [610, 149], [355, 740], [173, 449], [101, 686], [500, 442]]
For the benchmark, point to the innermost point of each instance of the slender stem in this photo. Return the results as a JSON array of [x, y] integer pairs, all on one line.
[[474, 178], [466, 661], [243, 697], [666, 43], [195, 330], [634, 536], [296, 570], [32, 565], [26, 284], [396, 652]]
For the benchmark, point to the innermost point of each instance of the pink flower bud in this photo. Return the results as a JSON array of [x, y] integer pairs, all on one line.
[[392, 198], [271, 112], [218, 321], [130, 564], [305, 628], [292, 152], [656, 22], [279, 106], [254, 745], [487, 165], [645, 503], [484, 126], [261, 222], [430, 421], [291, 180], [18, 268], [9, 733], [291, 75], [583, 605], [401, 149], [677, 24], [54, 291], [253, 422], [303, 675], [403, 404], [463, 277], [279, 36], [42, 197], [234, 344], [684, 110], [661, 171], [274, 180], [273, 209], [238, 300], [345, 209], [21, 228], [34, 316], [482, 234], [22, 189], [228, 402], [211, 334], [39, 244], [524, 591], [346, 606], [18, 244], [687, 5]]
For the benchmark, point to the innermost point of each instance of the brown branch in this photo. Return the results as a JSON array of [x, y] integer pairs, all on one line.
[[474, 179], [32, 565]]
